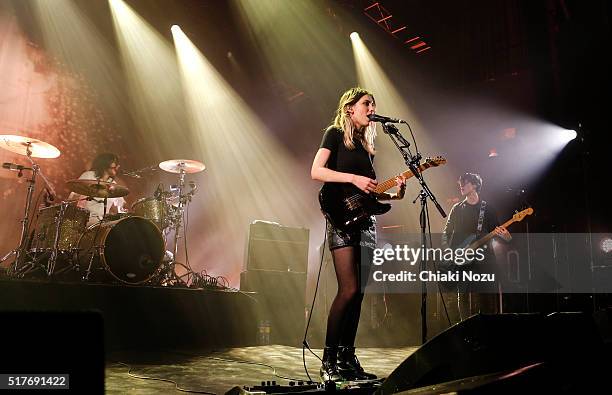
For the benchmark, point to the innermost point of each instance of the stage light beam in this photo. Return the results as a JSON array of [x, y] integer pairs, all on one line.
[[291, 38], [390, 102], [153, 83], [251, 177]]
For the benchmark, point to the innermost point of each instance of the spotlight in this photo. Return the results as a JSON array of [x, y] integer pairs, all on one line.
[[354, 36], [175, 28], [571, 134], [606, 245]]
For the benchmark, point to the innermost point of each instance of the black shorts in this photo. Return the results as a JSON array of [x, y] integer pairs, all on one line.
[[366, 237]]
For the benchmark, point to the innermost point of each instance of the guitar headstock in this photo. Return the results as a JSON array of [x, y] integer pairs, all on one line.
[[520, 215], [435, 161]]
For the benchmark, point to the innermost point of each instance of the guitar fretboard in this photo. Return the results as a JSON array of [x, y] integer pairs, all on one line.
[[516, 218], [390, 183]]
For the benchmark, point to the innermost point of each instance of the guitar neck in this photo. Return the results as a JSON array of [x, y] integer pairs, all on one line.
[[490, 235], [390, 183]]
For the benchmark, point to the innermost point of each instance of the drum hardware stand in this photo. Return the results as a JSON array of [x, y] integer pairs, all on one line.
[[35, 263], [91, 258], [58, 224], [20, 251], [105, 207], [99, 251], [169, 274], [180, 167]]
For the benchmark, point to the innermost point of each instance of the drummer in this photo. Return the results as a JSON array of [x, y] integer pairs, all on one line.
[[105, 167]]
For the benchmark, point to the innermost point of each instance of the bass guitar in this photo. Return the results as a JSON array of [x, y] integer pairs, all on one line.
[[472, 242], [347, 207]]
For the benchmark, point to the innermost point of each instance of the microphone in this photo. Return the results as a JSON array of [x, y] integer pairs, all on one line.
[[133, 175], [14, 166], [130, 174], [137, 173], [158, 192], [383, 119]]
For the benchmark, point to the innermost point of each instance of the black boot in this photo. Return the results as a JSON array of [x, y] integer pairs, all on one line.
[[349, 366], [329, 368]]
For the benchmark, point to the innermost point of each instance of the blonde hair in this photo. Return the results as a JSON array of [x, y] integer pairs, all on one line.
[[342, 121]]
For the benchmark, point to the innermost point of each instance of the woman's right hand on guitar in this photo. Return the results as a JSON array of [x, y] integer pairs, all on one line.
[[364, 183]]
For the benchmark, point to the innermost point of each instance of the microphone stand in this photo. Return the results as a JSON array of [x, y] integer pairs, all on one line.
[[412, 161]]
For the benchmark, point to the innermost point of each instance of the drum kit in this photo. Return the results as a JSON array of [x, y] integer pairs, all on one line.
[[128, 248]]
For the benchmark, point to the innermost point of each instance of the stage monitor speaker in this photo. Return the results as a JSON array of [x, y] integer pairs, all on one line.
[[272, 246], [566, 344]]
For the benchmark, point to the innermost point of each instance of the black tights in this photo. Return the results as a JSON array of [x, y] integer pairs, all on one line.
[[346, 307]]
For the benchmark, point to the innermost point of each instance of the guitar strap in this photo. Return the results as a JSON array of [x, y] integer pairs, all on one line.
[[483, 205]]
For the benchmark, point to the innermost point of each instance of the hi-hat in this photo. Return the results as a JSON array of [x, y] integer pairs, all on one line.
[[22, 145], [182, 166], [96, 188]]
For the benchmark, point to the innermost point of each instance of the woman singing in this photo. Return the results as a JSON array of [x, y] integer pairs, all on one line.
[[346, 155]]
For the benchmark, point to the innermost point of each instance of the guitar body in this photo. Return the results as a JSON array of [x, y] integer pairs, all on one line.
[[467, 241], [471, 242], [346, 207]]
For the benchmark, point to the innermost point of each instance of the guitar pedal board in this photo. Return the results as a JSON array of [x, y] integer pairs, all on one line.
[[362, 387]]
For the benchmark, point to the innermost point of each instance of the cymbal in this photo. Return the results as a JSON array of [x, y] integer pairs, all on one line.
[[21, 144], [96, 188], [182, 165]]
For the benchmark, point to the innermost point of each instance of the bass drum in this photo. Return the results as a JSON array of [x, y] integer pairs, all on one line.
[[130, 249]]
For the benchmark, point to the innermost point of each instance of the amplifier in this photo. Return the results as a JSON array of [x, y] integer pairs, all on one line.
[[271, 246]]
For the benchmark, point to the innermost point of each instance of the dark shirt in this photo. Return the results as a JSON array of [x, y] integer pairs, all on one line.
[[463, 222], [356, 161]]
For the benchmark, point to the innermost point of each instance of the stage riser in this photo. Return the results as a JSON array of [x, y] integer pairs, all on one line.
[[144, 317]]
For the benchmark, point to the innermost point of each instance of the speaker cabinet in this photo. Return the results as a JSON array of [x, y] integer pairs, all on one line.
[[275, 247], [281, 303]]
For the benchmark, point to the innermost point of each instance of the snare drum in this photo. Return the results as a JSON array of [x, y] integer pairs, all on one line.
[[153, 209], [130, 249], [71, 227]]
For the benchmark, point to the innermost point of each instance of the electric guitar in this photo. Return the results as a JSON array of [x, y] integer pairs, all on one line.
[[473, 243], [347, 207]]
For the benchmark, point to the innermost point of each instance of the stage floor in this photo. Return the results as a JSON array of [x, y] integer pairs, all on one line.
[[218, 371]]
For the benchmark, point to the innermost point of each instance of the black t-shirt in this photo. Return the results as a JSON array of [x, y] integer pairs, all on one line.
[[463, 222], [356, 161]]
